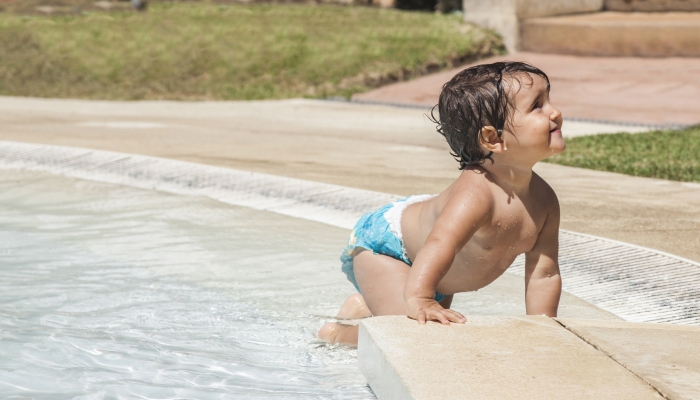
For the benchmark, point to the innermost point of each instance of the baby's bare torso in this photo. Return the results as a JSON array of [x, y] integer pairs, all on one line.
[[511, 230]]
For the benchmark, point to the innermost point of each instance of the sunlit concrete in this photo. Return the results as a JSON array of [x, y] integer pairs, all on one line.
[[490, 358], [665, 356], [615, 34]]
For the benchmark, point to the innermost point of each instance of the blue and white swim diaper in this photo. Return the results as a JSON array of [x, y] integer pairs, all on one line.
[[380, 232]]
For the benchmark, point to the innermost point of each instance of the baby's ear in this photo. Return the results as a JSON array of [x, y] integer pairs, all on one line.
[[490, 139]]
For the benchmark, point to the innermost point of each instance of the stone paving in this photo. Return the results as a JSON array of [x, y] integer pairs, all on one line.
[[655, 91]]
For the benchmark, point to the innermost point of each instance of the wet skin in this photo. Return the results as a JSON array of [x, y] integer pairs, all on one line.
[[511, 229]]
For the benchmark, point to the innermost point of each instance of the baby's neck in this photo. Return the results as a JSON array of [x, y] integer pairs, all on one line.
[[508, 175]]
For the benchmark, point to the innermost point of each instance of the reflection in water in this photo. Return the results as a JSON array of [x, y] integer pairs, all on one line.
[[113, 292]]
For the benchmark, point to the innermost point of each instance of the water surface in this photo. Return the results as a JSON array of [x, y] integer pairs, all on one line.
[[112, 292]]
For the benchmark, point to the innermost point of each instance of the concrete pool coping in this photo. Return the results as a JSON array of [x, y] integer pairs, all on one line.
[[611, 275], [528, 357]]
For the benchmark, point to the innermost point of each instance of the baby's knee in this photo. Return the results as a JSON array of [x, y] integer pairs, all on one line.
[[329, 331], [354, 308], [356, 300]]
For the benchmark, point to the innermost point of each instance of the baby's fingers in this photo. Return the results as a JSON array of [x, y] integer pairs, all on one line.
[[447, 316], [421, 317], [439, 316], [454, 316]]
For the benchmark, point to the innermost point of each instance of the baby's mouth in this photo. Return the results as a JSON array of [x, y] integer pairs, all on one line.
[[556, 129]]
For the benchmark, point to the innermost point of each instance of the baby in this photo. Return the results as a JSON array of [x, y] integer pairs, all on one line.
[[410, 257]]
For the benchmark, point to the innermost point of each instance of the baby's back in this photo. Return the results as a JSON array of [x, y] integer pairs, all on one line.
[[509, 228]]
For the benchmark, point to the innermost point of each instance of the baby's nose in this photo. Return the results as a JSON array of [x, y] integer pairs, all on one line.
[[556, 114]]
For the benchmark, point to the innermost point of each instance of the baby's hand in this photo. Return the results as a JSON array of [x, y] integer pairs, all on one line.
[[423, 310]]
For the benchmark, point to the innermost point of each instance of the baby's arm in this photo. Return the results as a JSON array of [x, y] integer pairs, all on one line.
[[542, 279], [464, 213]]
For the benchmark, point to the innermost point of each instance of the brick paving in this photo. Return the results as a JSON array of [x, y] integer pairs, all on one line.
[[656, 91]]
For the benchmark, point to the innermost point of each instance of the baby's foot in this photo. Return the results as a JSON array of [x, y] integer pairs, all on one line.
[[354, 308], [334, 333]]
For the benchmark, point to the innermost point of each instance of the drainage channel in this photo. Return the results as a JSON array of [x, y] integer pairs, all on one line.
[[635, 283]]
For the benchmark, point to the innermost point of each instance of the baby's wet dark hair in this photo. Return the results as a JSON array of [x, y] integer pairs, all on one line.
[[473, 99]]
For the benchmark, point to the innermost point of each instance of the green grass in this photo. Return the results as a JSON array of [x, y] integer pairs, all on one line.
[[670, 154], [210, 51]]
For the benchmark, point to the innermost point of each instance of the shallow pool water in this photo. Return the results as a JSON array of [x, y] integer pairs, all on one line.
[[111, 292]]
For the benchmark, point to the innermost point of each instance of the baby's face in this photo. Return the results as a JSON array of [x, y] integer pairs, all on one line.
[[536, 123]]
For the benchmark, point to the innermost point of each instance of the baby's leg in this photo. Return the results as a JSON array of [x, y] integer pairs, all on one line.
[[381, 280], [387, 276], [353, 308]]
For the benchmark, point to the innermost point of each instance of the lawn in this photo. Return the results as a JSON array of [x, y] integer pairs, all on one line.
[[229, 52], [669, 154]]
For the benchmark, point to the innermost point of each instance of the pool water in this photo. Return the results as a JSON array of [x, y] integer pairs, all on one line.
[[110, 292]]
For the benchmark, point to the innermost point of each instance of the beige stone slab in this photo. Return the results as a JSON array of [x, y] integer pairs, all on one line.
[[666, 356], [489, 358], [652, 5], [668, 34]]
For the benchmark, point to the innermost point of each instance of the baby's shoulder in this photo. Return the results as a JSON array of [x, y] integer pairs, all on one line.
[[473, 186], [475, 175]]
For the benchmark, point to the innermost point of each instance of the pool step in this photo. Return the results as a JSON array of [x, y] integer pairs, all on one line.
[[612, 33], [652, 5], [529, 357], [643, 28]]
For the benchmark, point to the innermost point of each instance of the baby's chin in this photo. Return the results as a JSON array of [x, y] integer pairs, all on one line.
[[557, 147]]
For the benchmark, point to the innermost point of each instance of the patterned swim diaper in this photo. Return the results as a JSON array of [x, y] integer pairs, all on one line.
[[380, 232]]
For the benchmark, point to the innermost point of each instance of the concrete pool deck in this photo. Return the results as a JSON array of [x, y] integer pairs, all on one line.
[[373, 147]]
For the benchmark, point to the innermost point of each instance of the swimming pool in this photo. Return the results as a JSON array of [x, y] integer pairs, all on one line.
[[113, 292]]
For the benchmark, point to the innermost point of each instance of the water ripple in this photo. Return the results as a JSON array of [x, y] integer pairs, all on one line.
[[111, 292]]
